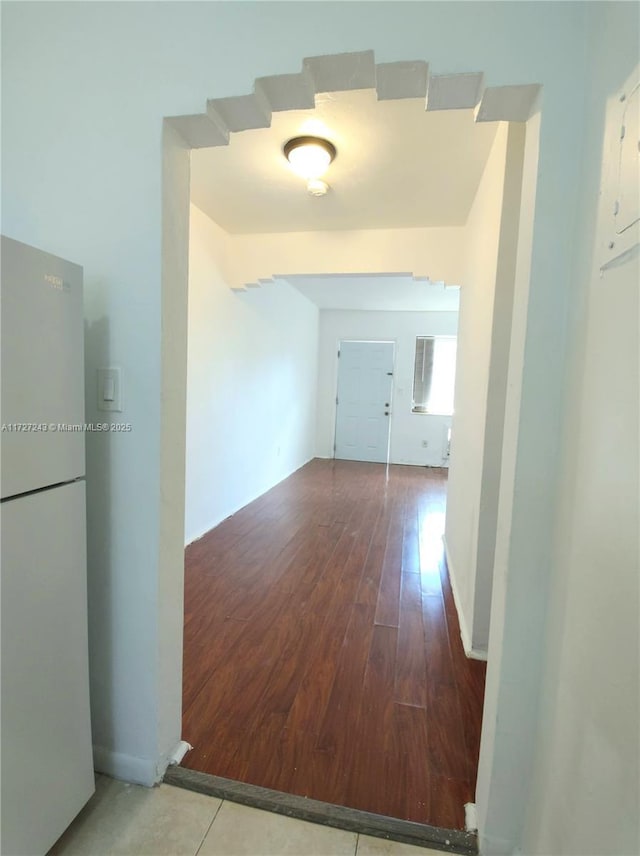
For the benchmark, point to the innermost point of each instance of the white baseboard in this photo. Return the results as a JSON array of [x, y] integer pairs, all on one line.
[[477, 654], [139, 771], [179, 752], [469, 650], [470, 817]]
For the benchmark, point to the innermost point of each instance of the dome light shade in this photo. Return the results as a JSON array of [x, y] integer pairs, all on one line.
[[309, 156]]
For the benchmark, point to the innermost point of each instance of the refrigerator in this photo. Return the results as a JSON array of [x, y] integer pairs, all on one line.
[[46, 769]]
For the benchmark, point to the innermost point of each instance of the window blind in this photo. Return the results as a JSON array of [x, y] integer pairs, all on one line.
[[423, 372]]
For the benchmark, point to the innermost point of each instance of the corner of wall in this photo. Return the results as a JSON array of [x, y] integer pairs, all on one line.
[[173, 356], [468, 465], [127, 768]]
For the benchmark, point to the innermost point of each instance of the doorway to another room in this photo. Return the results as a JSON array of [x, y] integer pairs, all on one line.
[[322, 646]]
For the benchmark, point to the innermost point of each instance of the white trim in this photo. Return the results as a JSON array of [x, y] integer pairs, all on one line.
[[470, 817], [139, 771], [477, 654], [182, 747], [471, 652]]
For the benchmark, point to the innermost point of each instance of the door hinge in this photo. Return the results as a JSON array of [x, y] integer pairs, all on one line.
[[338, 353], [336, 399]]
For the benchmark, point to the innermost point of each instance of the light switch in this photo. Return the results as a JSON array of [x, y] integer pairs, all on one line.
[[110, 389]]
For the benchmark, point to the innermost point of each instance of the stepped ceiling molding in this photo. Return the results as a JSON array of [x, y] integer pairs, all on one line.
[[453, 107], [390, 293]]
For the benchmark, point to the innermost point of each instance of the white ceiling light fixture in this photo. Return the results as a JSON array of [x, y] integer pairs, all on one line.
[[310, 157]]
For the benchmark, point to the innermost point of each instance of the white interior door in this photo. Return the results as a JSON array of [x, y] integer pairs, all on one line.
[[363, 406]]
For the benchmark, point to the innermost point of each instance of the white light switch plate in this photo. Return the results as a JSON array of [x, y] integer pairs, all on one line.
[[110, 389]]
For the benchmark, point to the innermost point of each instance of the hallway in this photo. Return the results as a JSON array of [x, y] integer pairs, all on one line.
[[322, 653]]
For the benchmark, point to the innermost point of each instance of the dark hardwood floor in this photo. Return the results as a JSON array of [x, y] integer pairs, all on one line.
[[322, 653]]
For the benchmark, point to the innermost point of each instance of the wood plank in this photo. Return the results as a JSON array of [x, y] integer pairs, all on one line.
[[411, 663], [439, 660], [388, 605], [446, 744], [448, 798], [377, 696], [341, 717]]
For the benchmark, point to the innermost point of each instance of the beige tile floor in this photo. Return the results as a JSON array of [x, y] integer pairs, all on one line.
[[128, 820]]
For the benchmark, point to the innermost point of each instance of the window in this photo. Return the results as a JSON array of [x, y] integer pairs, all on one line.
[[434, 375]]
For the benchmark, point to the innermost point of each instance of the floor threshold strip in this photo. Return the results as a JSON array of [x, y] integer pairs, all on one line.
[[341, 817]]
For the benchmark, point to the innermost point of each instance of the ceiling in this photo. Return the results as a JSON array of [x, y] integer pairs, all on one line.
[[397, 166], [399, 292]]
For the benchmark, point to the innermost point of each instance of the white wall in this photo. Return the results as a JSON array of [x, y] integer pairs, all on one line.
[[85, 88], [497, 385], [586, 779], [472, 384], [408, 429], [521, 565], [175, 270], [425, 252], [481, 386], [251, 385]]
